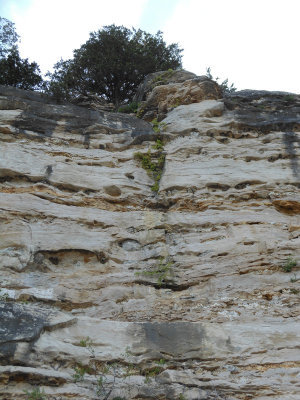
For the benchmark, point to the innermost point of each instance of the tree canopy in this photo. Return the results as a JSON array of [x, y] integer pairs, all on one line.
[[14, 70], [18, 72], [8, 36], [112, 63]]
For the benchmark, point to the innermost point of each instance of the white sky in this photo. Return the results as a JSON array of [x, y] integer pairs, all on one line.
[[254, 43]]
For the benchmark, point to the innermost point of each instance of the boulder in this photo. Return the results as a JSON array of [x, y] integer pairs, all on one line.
[[165, 94], [161, 78]]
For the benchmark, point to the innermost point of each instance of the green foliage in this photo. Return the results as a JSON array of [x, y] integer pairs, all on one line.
[[15, 71], [289, 98], [225, 86], [129, 108], [80, 371], [162, 78], [157, 126], [289, 264], [112, 63], [86, 342], [153, 163], [158, 145], [162, 361], [8, 36], [35, 394], [161, 272]]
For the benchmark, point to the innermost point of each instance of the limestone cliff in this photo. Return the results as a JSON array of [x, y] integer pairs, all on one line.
[[165, 261]]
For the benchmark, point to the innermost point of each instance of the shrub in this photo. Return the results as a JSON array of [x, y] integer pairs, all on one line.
[[289, 264], [35, 394], [225, 86]]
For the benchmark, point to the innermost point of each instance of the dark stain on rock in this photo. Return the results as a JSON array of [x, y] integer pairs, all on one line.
[[113, 190], [180, 339], [19, 323], [291, 142]]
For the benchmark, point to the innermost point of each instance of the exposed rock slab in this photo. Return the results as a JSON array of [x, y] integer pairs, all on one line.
[[183, 291]]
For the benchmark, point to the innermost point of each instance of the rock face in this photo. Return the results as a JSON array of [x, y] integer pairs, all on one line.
[[188, 290], [163, 91]]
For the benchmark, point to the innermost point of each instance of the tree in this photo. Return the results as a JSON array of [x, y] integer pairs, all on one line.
[[8, 36], [112, 63], [18, 72], [15, 71]]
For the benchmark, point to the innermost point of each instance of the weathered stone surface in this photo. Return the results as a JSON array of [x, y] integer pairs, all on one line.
[[171, 89], [161, 78], [183, 290], [265, 111]]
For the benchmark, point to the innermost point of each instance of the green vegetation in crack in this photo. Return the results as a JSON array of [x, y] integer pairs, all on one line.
[[158, 126], [153, 162], [289, 264], [106, 374], [162, 272], [35, 394], [162, 78], [129, 108]]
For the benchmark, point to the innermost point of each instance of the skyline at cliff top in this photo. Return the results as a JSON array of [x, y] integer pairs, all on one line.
[[253, 43]]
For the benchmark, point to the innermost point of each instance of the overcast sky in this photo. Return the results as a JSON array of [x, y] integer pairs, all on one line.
[[253, 43]]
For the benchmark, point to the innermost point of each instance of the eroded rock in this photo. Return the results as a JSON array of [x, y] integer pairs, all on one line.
[[185, 290]]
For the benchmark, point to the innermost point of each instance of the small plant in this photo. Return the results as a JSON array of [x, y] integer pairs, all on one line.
[[86, 342], [79, 373], [158, 126], [35, 394], [129, 108], [162, 361], [294, 291], [140, 112], [158, 145], [226, 88], [289, 98], [289, 264], [162, 272], [104, 388], [153, 163]]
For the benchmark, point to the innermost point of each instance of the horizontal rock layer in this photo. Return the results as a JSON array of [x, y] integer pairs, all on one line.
[[188, 292]]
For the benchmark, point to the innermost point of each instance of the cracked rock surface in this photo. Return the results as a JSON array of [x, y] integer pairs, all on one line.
[[189, 292]]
